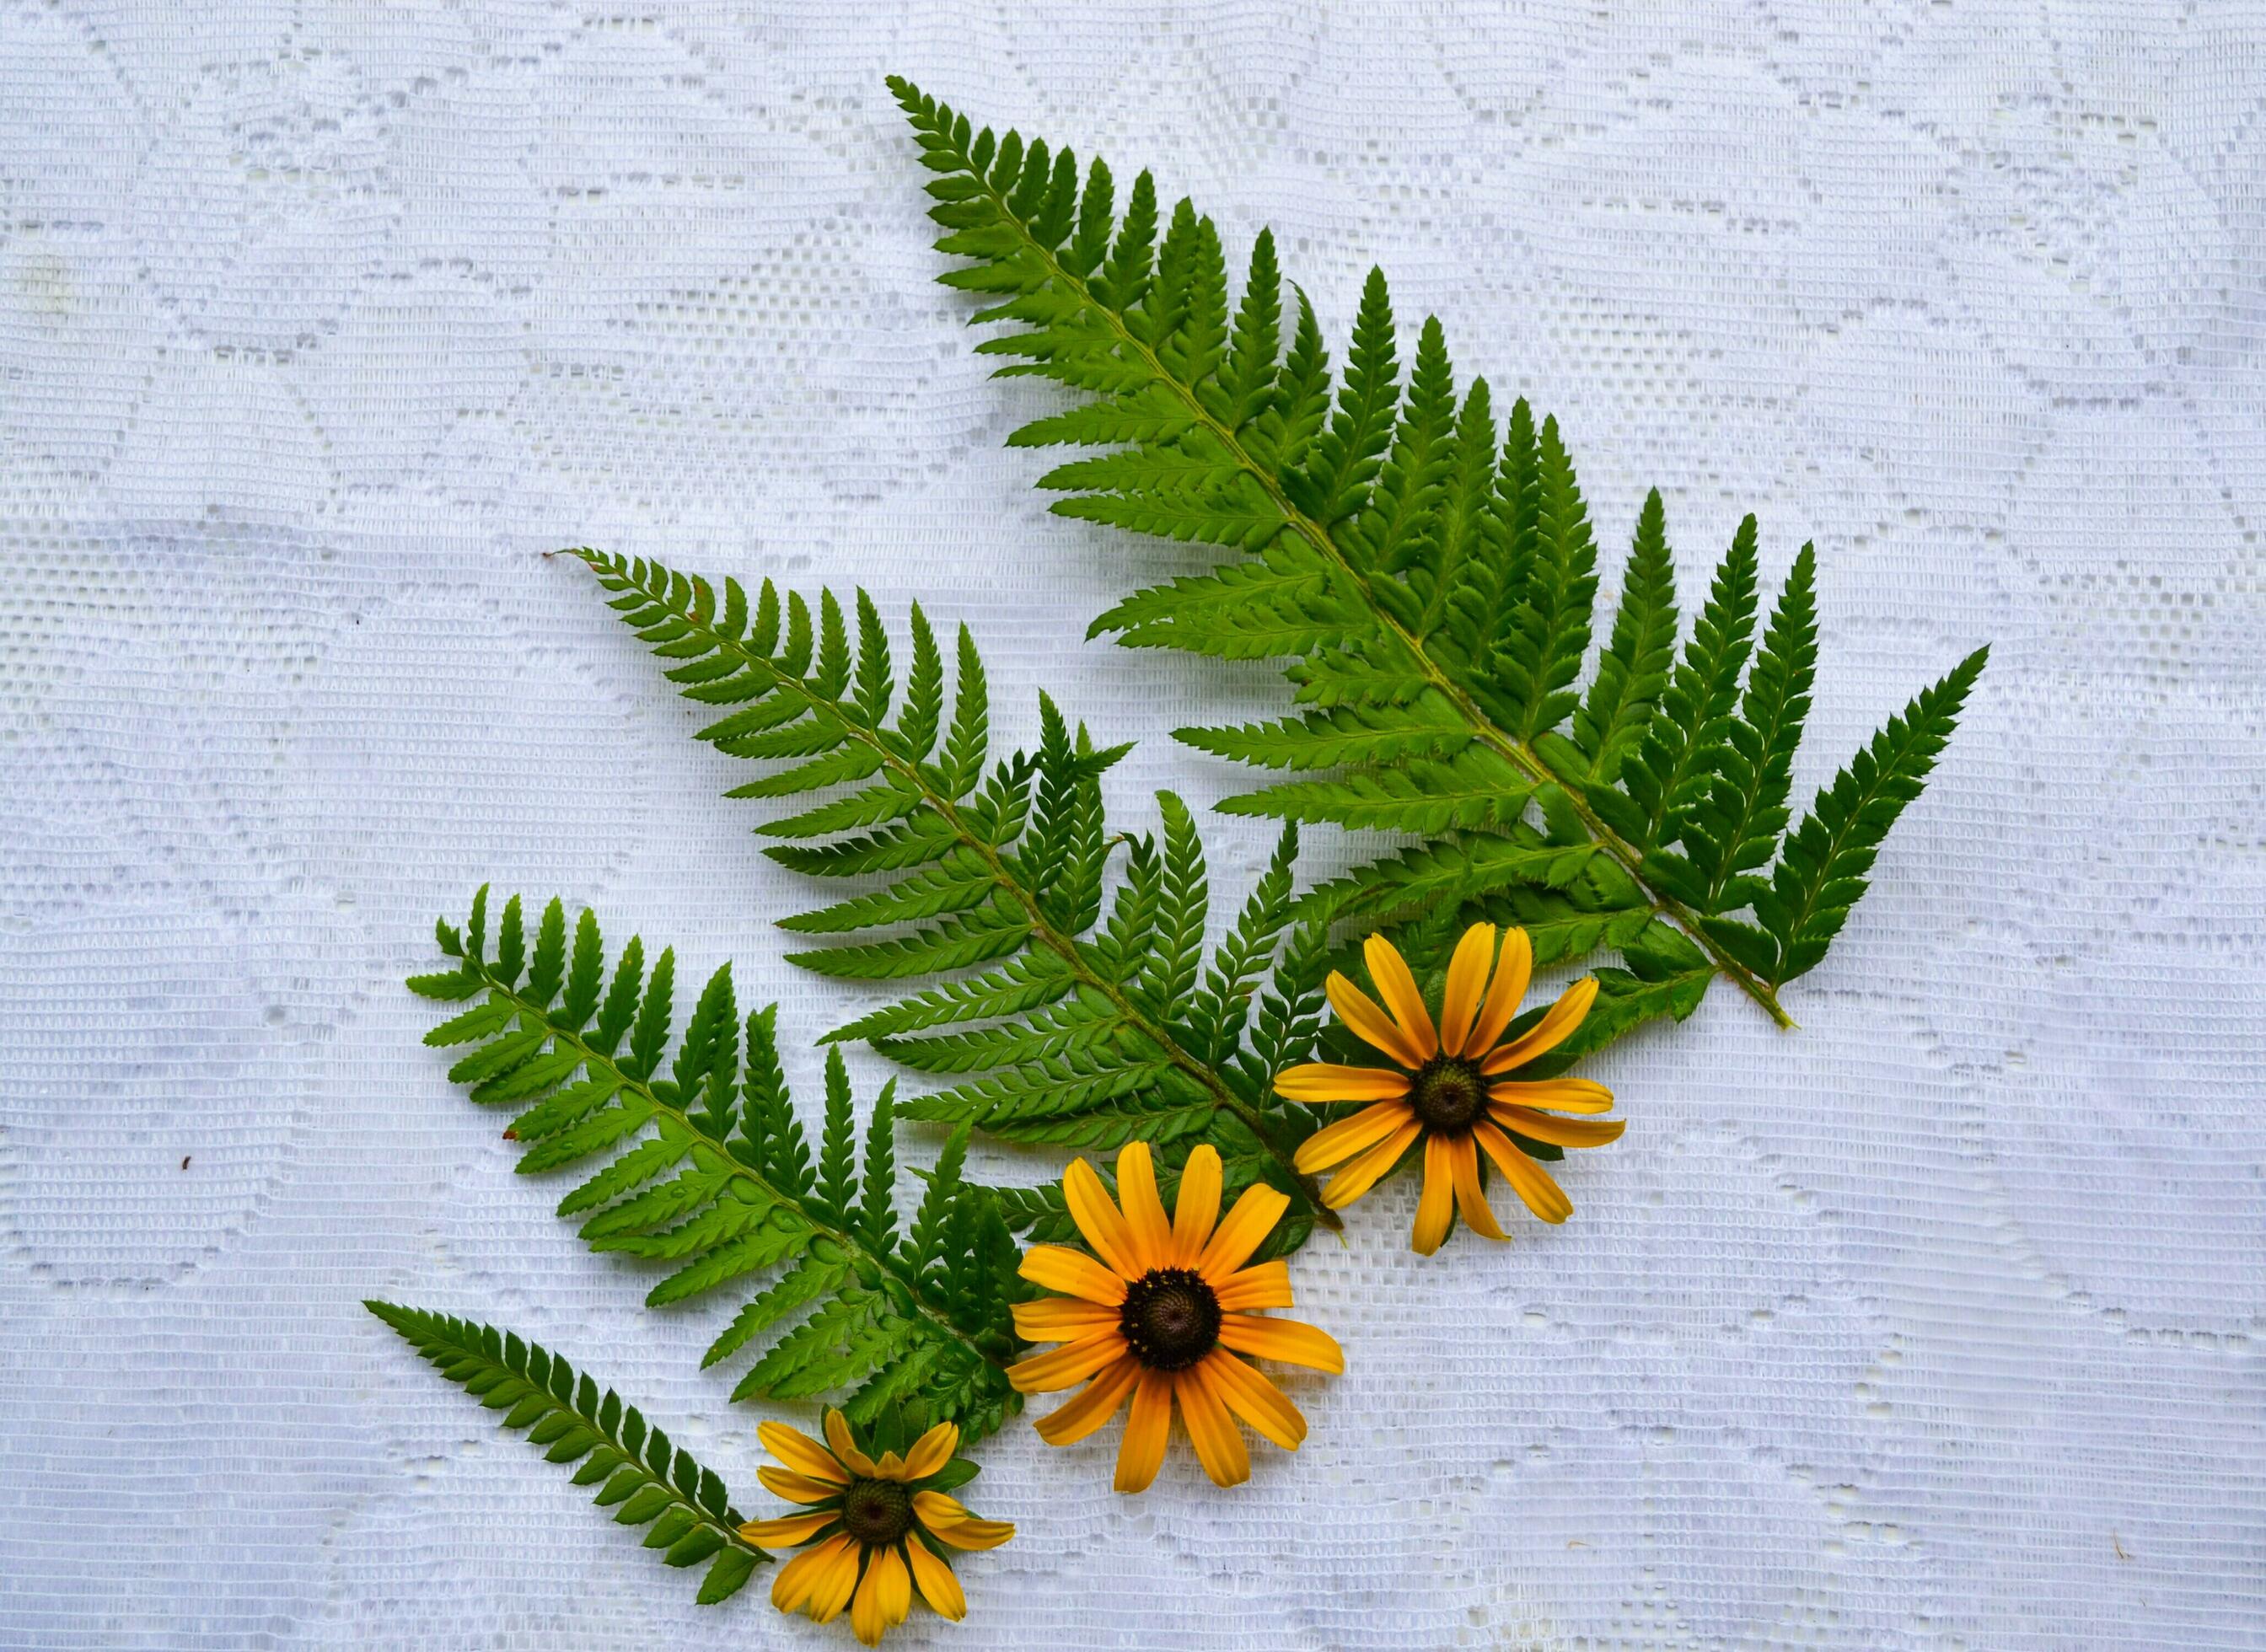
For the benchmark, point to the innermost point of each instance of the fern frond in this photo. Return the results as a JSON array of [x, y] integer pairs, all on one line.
[[1432, 588], [1073, 1030], [640, 1475], [706, 1173]]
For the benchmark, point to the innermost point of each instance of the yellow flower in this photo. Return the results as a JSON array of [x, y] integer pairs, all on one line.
[[875, 1529], [1444, 1097], [1163, 1316]]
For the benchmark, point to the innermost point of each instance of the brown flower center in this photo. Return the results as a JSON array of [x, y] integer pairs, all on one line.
[[1171, 1318], [876, 1512], [1447, 1094]]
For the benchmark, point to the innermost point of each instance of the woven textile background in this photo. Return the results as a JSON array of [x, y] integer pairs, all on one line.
[[1936, 1323]]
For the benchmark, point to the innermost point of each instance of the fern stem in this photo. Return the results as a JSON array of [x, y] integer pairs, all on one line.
[[1511, 746], [1066, 947], [598, 1061]]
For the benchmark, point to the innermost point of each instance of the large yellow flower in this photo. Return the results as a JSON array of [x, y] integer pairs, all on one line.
[[1163, 1316], [1449, 1093], [876, 1528]]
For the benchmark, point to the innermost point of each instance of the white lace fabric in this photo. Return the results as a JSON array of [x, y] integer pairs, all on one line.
[[1934, 1324]]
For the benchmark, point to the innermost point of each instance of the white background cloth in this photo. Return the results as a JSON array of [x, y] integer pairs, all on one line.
[[1935, 1324]]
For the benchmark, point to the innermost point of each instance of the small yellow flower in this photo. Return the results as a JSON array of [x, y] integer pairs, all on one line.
[[1444, 1096], [1163, 1316], [875, 1529]]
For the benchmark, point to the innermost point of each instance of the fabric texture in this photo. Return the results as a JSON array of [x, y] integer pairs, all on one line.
[[1935, 1324]]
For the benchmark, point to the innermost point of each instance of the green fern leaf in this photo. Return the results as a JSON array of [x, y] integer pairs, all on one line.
[[1821, 869], [1002, 873], [706, 1172], [1446, 874], [1633, 671], [1550, 628], [1183, 906], [638, 1474], [1386, 551], [1333, 483], [819, 1273], [1475, 788], [1219, 1014], [1736, 828], [1426, 725]]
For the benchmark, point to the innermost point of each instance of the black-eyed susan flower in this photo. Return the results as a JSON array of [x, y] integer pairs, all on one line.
[[873, 1530], [1166, 1314], [1449, 1090]]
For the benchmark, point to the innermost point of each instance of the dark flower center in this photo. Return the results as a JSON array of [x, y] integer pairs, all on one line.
[[876, 1512], [1447, 1093], [1170, 1317]]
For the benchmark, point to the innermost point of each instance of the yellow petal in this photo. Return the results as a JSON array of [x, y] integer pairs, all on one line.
[[800, 1578], [1196, 1211], [1361, 1175], [884, 1595], [845, 1448], [1559, 1095], [1334, 1144], [788, 1530], [888, 1465], [897, 1585], [951, 1523], [1098, 1402], [1322, 1081], [1060, 1318], [1099, 1220], [1512, 972], [1147, 1425], [1435, 1208], [1219, 1442], [938, 1586], [1073, 1273], [1372, 1025], [1533, 1184], [1471, 1198], [1250, 1222], [1389, 970], [865, 1619], [1467, 974], [1253, 1396], [832, 1589], [1286, 1340], [1541, 1127], [798, 1488], [933, 1450], [1267, 1285], [1070, 1364], [1144, 1211], [1556, 1026], [800, 1453]]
